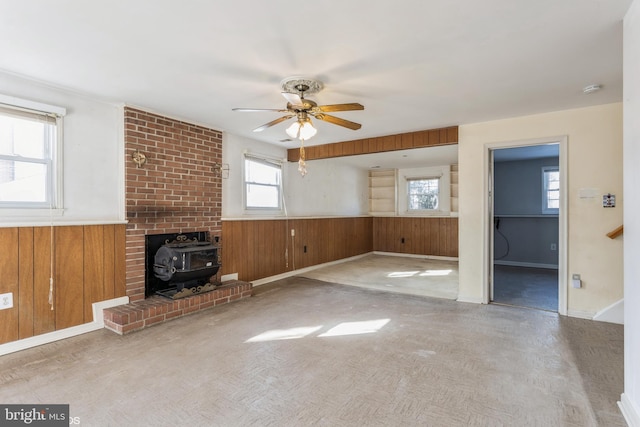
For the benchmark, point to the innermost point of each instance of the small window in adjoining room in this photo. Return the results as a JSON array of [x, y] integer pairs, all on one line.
[[423, 194], [550, 190], [30, 174], [262, 183]]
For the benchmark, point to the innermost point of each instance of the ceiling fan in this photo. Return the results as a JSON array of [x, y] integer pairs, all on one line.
[[294, 90]]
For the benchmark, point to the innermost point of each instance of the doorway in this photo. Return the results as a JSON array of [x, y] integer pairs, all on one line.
[[526, 234]]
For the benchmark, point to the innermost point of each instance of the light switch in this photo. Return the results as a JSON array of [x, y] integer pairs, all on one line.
[[575, 281]]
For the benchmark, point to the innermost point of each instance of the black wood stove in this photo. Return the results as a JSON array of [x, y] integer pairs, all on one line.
[[180, 265]]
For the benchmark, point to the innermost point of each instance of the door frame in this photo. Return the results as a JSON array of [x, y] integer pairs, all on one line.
[[487, 213]]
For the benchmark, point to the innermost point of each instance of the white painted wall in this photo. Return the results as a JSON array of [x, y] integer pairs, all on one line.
[[594, 161], [631, 397], [331, 188], [93, 155]]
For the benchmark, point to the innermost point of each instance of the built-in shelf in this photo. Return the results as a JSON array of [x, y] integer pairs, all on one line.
[[454, 188], [382, 192]]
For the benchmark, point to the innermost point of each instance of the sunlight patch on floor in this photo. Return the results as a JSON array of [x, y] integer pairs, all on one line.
[[345, 328], [356, 328], [403, 274], [428, 273], [436, 273], [284, 334]]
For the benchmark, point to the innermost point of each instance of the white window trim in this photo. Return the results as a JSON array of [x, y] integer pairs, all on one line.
[[443, 173], [11, 101], [56, 207], [545, 209], [269, 160]]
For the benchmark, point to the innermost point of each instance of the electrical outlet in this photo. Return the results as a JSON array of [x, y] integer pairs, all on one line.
[[553, 247], [6, 300], [293, 232]]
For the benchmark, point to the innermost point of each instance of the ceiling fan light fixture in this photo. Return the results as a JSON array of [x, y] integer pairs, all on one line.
[[307, 130], [302, 129], [293, 130]]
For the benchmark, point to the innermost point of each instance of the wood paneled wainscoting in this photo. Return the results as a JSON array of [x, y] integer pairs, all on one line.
[[88, 267], [256, 249], [416, 235]]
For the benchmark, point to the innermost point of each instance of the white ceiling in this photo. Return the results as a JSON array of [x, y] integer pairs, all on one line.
[[414, 64]]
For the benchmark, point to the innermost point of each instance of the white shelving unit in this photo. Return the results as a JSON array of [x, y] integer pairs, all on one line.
[[454, 188], [382, 192]]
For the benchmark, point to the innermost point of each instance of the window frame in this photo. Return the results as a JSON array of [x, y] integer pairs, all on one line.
[[264, 160], [442, 173], [546, 210], [408, 181], [12, 106]]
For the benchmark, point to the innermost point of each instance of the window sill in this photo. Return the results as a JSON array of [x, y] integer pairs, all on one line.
[[526, 215], [263, 212], [426, 213]]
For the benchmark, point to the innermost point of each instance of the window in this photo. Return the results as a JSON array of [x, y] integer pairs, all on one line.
[[262, 183], [28, 156], [550, 190], [423, 193]]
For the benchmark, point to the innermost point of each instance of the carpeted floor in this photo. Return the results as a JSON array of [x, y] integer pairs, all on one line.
[[302, 352], [405, 275], [516, 286], [526, 287]]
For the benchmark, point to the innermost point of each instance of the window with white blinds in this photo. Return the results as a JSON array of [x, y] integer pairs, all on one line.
[[29, 161]]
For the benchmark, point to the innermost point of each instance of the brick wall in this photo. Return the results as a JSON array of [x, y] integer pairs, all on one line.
[[176, 191]]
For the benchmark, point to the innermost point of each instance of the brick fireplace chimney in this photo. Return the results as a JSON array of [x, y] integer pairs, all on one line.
[[177, 190]]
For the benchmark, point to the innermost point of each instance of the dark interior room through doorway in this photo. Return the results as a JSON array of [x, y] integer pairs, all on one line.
[[525, 226]]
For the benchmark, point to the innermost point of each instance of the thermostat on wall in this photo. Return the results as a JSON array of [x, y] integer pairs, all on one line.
[[609, 201]]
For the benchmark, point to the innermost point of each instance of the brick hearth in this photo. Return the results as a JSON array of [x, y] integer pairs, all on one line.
[[137, 315]]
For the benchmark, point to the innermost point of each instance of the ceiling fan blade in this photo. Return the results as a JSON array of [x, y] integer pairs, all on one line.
[[292, 98], [338, 121], [258, 109], [272, 123], [341, 107]]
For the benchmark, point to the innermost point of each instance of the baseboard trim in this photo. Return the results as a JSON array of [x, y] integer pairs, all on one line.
[[473, 300], [629, 411], [227, 277], [280, 276], [612, 314], [399, 254], [96, 324], [526, 264], [581, 314]]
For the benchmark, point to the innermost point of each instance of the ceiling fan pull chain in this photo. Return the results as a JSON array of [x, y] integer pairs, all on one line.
[[302, 165]]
